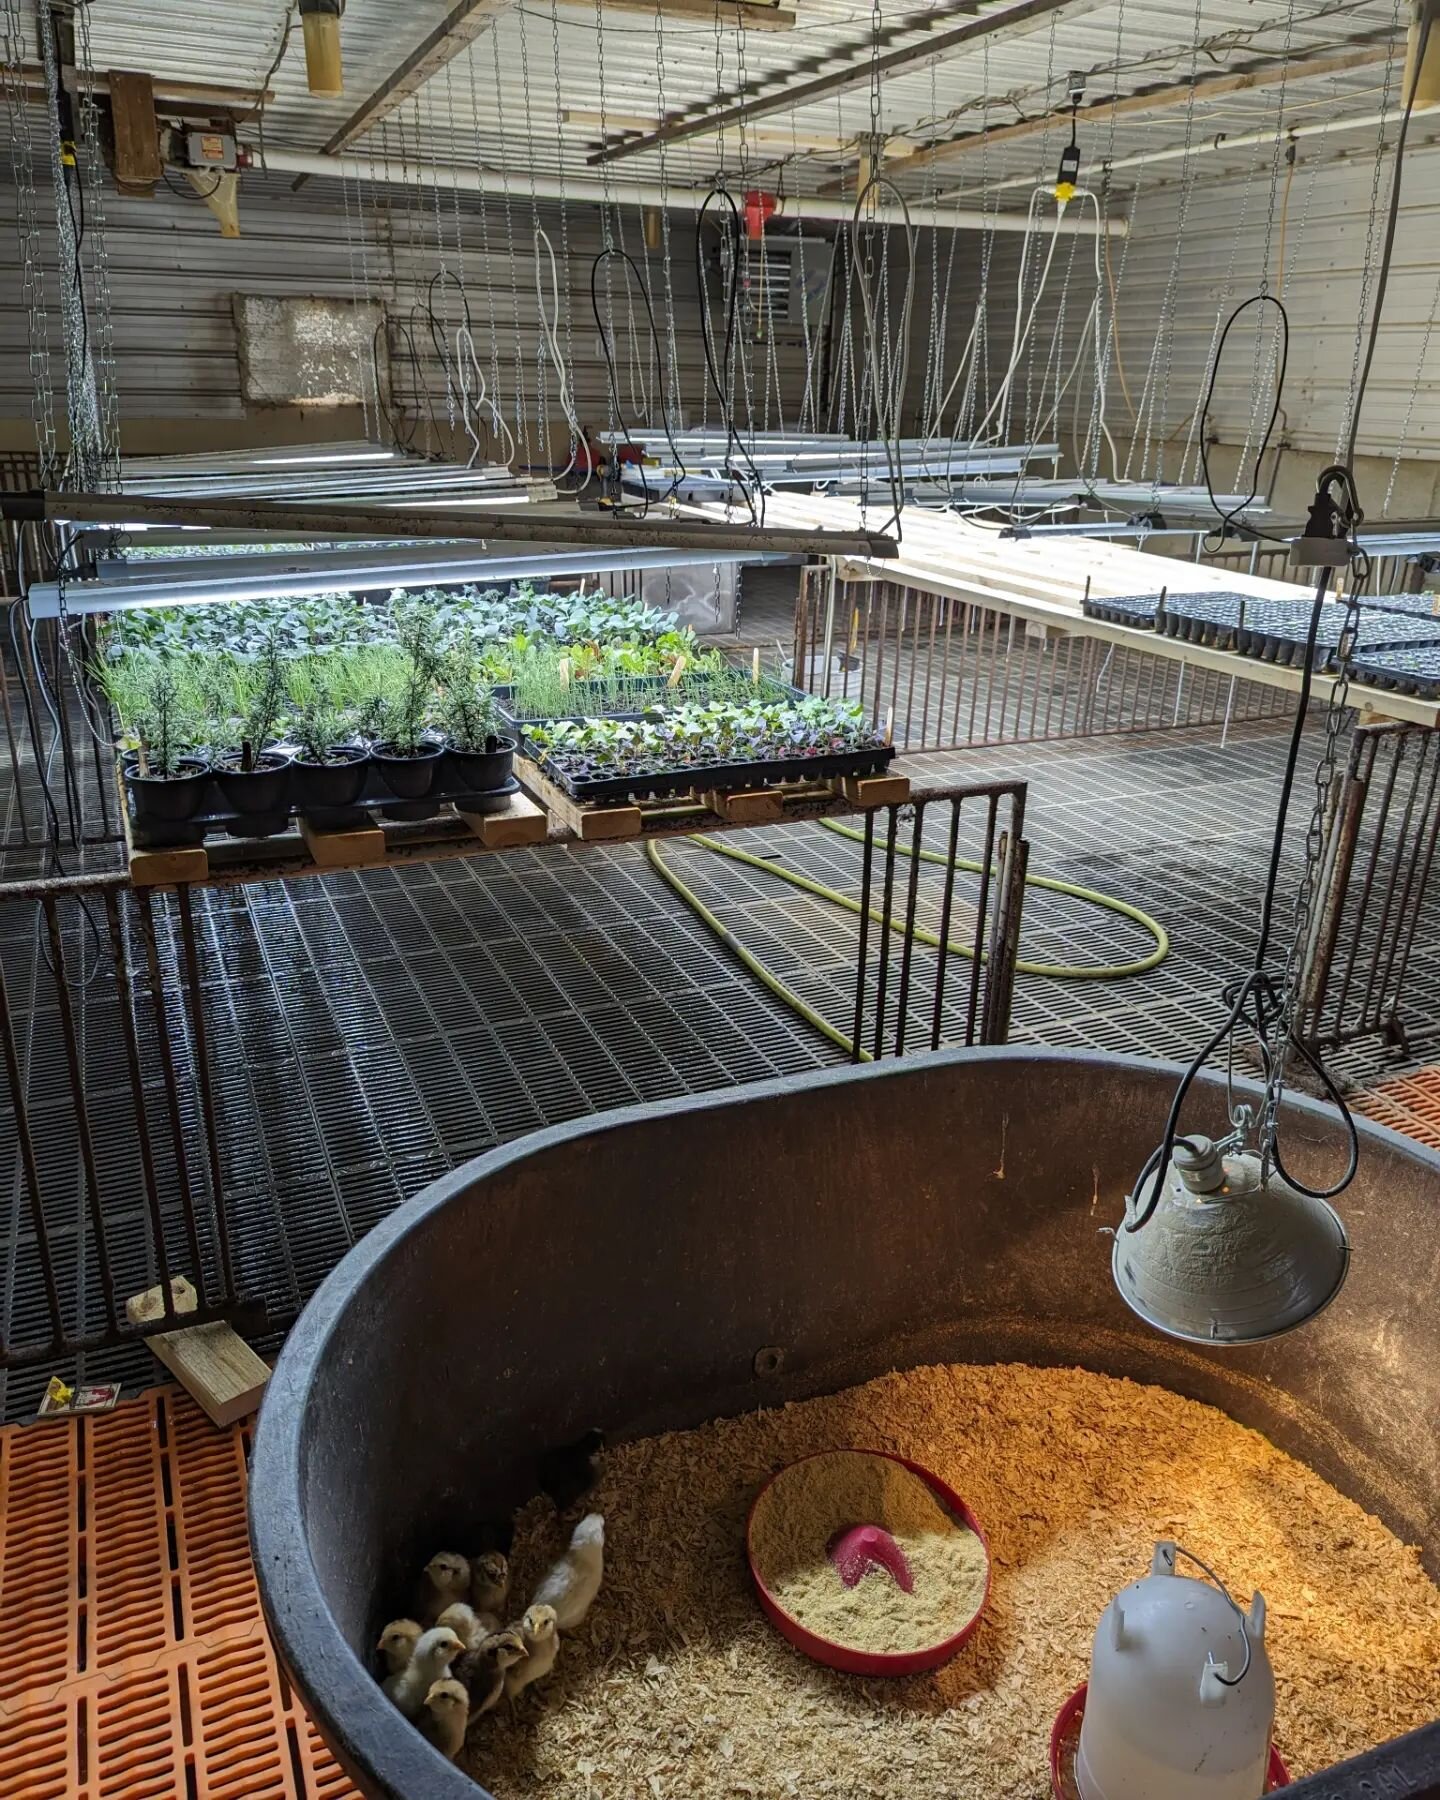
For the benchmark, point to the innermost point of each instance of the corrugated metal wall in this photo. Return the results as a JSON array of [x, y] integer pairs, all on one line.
[[1324, 235], [172, 277]]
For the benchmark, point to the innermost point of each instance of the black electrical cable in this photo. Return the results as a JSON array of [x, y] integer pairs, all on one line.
[[719, 379], [191, 193], [1257, 986], [1387, 251], [1227, 519], [613, 377]]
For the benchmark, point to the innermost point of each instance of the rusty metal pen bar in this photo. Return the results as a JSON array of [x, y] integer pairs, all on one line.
[[87, 1246]]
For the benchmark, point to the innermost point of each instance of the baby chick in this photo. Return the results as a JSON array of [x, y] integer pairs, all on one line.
[[542, 1646], [489, 1583], [397, 1644], [569, 1471], [431, 1662], [470, 1627], [446, 1579], [572, 1583], [483, 1669], [447, 1711]]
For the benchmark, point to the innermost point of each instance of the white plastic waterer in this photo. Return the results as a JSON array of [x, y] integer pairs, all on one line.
[[1181, 1701]]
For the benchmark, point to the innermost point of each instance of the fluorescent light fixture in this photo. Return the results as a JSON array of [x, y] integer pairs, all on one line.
[[334, 457], [208, 584]]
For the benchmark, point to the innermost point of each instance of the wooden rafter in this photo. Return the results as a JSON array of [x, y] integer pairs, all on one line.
[[1153, 100], [992, 26]]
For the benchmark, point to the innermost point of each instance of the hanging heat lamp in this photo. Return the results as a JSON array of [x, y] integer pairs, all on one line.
[[1221, 1243], [1231, 1253], [324, 69], [1181, 1697]]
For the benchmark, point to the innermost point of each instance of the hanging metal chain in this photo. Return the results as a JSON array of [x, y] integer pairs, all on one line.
[[564, 208], [675, 419], [1337, 723], [29, 243], [93, 173], [1367, 267], [82, 396]]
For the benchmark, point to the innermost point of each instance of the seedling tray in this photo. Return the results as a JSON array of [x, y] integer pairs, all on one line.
[[590, 699], [1423, 605], [710, 777], [1136, 610], [1415, 670]]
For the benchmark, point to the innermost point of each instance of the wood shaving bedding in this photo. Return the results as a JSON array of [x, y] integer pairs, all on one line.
[[676, 1688]]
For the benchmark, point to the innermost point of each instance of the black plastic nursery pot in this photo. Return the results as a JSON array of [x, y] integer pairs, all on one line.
[[338, 783], [409, 778], [478, 771], [159, 800], [264, 788], [413, 1395]]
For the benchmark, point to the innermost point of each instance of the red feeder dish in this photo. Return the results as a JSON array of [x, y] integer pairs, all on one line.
[[1065, 1741], [856, 1548]]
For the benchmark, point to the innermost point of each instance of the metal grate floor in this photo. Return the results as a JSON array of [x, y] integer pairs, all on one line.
[[371, 1030]]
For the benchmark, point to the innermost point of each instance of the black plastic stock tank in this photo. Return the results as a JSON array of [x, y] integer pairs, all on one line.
[[629, 1270]]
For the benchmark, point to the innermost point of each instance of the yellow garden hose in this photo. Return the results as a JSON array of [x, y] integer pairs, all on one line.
[[1056, 971], [728, 938]]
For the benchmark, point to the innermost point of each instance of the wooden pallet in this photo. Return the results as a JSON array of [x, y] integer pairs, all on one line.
[[522, 822], [748, 806], [311, 849]]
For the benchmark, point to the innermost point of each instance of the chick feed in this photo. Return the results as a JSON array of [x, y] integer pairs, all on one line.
[[677, 1688], [808, 1505]]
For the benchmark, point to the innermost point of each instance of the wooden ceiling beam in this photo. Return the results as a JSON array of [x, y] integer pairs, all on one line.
[[993, 26], [754, 15], [170, 96], [456, 32], [1153, 100]]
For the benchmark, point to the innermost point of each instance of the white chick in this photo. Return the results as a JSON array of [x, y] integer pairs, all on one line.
[[446, 1579], [397, 1644], [431, 1662], [574, 1581], [483, 1670], [489, 1583], [446, 1714], [542, 1646], [470, 1627]]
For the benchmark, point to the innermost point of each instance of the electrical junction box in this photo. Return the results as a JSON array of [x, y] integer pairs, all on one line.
[[211, 150]]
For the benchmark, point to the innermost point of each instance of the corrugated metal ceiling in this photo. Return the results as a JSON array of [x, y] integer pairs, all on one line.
[[502, 100]]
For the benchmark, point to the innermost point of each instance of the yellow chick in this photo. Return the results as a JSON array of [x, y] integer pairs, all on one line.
[[397, 1644], [443, 1722], [470, 1627], [490, 1583], [446, 1579], [484, 1669], [431, 1662], [542, 1646]]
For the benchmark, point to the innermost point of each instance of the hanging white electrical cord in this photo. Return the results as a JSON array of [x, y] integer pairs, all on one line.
[[888, 417], [549, 323]]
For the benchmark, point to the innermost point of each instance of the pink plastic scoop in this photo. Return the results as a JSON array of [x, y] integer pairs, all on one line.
[[863, 1547]]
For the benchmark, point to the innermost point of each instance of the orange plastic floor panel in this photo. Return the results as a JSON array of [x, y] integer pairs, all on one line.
[[1409, 1103], [137, 1665]]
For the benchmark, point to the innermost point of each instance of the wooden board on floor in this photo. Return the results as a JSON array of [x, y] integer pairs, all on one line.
[[591, 824], [755, 806], [867, 791], [522, 822], [358, 847], [213, 1363]]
